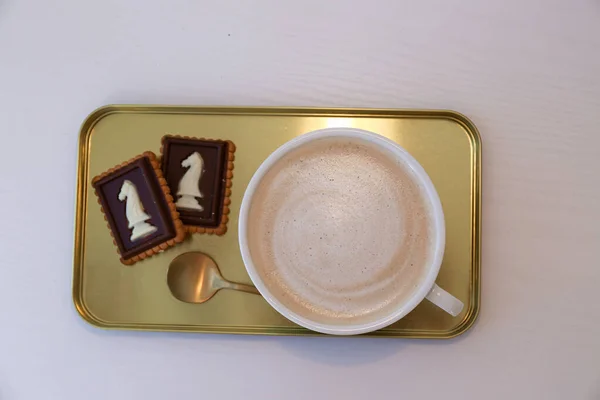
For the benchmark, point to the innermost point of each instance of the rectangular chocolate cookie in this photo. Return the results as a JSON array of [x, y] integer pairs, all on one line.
[[199, 173], [138, 208]]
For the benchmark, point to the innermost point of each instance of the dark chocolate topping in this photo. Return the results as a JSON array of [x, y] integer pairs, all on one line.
[[211, 184], [152, 197]]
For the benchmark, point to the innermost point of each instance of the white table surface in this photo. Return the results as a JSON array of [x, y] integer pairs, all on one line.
[[526, 72]]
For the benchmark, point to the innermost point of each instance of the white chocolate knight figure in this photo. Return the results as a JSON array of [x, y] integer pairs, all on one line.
[[189, 184], [134, 211]]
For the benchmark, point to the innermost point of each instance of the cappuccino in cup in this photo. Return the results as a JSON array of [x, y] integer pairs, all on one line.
[[342, 231]]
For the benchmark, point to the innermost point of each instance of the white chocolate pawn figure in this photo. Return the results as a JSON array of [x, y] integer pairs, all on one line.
[[134, 212], [189, 184]]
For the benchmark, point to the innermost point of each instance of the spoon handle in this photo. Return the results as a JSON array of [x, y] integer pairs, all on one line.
[[241, 287]]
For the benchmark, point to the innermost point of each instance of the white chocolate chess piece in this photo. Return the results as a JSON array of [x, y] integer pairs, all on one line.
[[134, 212], [189, 184]]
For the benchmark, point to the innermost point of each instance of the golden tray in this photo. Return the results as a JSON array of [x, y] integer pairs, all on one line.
[[108, 294]]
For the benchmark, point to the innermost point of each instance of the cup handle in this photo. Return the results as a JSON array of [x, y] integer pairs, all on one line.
[[445, 300]]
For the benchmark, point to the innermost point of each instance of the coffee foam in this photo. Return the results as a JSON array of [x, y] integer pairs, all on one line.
[[340, 231]]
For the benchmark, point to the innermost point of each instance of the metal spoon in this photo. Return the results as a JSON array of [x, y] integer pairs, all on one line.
[[194, 278]]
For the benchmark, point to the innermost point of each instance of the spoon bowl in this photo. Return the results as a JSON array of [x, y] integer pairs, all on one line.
[[194, 277]]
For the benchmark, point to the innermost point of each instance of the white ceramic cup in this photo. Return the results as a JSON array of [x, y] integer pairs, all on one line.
[[427, 289]]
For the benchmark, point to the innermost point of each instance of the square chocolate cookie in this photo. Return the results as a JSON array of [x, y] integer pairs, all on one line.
[[138, 208], [199, 173]]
